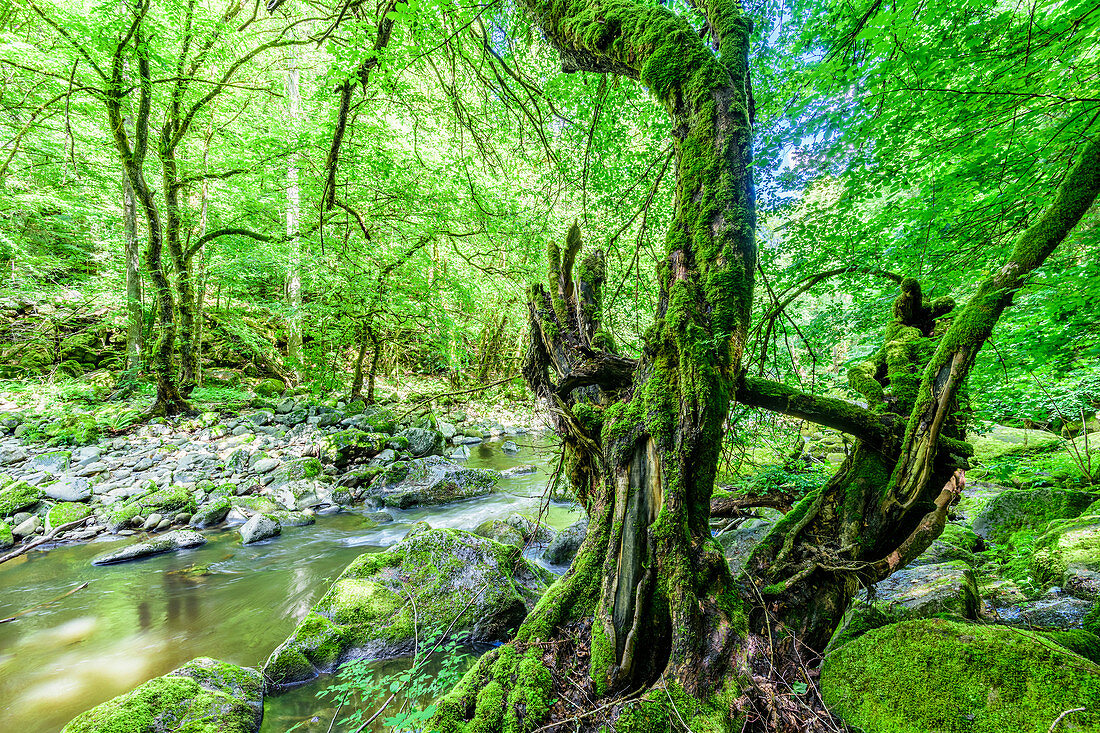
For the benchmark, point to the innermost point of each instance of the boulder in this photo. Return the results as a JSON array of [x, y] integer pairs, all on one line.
[[1081, 582], [945, 590], [7, 539], [170, 542], [18, 496], [533, 532], [564, 546], [1069, 543], [939, 675], [269, 388], [73, 488], [509, 446], [422, 442], [496, 529], [65, 512], [739, 542], [166, 502], [432, 480], [212, 512], [1055, 609], [297, 470], [202, 696], [522, 470], [259, 527], [348, 446], [459, 583], [27, 527], [1014, 509], [55, 462], [300, 494]]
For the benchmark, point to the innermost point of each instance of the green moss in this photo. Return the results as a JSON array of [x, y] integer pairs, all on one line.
[[653, 712], [7, 539], [1068, 542], [270, 388], [19, 496], [203, 696], [1082, 642], [936, 675], [174, 499], [65, 512]]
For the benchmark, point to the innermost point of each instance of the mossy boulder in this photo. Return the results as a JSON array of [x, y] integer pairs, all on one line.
[[422, 442], [1071, 543], [432, 578], [297, 469], [1015, 509], [180, 539], [202, 696], [301, 494], [433, 480], [950, 677], [55, 462], [7, 539], [348, 446], [213, 511], [497, 529], [377, 420], [565, 545], [170, 501], [944, 590], [65, 512], [17, 496], [269, 388]]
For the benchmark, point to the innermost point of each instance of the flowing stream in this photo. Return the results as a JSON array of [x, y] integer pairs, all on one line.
[[138, 620]]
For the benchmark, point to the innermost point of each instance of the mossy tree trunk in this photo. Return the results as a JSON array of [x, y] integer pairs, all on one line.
[[650, 585], [133, 151]]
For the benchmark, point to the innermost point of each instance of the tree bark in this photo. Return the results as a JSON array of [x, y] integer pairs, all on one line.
[[293, 214], [133, 278]]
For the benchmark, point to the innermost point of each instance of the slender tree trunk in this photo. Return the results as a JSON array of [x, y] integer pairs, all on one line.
[[293, 214], [357, 379], [133, 278]]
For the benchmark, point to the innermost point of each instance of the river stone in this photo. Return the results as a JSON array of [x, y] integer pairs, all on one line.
[[1055, 609], [461, 453], [738, 542], [202, 696], [212, 512], [28, 526], [446, 429], [522, 470], [564, 547], [55, 462], [1014, 509], [510, 446], [152, 521], [434, 480], [259, 527], [7, 539], [300, 494], [265, 465], [496, 529], [285, 407], [269, 388], [1081, 582], [348, 446], [178, 540], [1075, 542], [465, 440], [533, 532], [422, 442], [939, 675], [298, 469], [466, 585], [70, 489], [18, 496], [12, 454], [65, 512], [172, 500]]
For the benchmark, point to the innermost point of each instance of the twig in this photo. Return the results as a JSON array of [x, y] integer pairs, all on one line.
[[52, 600], [452, 394], [1064, 714], [44, 538]]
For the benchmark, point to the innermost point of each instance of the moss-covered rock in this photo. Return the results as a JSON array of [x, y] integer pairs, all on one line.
[[180, 539], [269, 388], [422, 442], [432, 577], [212, 512], [433, 480], [496, 529], [949, 677], [65, 512], [1014, 509], [202, 696], [297, 470], [348, 446], [1072, 543], [7, 539], [170, 501], [17, 496]]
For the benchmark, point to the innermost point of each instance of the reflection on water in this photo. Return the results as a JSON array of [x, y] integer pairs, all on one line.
[[236, 603]]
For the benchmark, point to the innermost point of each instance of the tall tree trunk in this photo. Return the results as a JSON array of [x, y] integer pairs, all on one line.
[[133, 278], [293, 214], [650, 584]]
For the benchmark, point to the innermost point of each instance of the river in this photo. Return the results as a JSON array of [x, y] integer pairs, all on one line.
[[138, 620]]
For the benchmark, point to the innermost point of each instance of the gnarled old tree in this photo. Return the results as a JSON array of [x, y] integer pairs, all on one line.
[[649, 616]]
